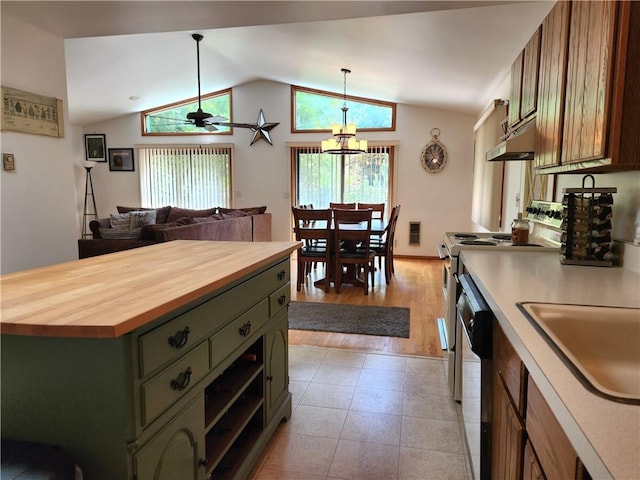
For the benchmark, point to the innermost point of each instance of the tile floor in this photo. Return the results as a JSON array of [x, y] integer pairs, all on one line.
[[366, 416]]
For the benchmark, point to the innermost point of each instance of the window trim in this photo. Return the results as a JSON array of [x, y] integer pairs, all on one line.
[[297, 88], [161, 108]]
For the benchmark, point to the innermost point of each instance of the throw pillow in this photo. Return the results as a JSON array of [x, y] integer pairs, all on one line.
[[210, 218], [120, 221], [118, 233], [140, 218], [234, 214], [161, 213], [176, 213], [248, 210]]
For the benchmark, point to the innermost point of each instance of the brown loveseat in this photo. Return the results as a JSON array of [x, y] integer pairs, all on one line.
[[172, 223]]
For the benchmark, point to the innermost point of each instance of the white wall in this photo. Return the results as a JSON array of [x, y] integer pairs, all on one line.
[[262, 173], [38, 200]]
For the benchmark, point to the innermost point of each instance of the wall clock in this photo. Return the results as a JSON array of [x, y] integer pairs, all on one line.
[[434, 154]]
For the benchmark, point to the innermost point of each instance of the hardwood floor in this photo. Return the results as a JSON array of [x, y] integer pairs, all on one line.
[[417, 284]]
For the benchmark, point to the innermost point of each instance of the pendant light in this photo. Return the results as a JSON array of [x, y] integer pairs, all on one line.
[[344, 140]]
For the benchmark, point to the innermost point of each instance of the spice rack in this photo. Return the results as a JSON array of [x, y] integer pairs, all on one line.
[[586, 225]]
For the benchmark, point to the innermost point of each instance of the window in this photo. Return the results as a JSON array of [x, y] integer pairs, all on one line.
[[187, 176], [316, 110], [172, 119], [321, 178]]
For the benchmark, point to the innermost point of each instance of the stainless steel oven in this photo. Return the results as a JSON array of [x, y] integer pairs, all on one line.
[[475, 347]]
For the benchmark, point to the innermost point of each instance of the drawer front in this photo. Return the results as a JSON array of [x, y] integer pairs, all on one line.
[[238, 332], [169, 341], [279, 300], [167, 387]]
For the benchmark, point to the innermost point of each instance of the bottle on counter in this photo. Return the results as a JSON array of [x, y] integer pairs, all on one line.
[[520, 231]]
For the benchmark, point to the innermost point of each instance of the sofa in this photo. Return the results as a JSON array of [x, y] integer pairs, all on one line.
[[134, 227]]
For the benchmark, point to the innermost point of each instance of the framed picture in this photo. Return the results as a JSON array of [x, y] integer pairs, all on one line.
[[95, 147], [121, 160], [27, 112]]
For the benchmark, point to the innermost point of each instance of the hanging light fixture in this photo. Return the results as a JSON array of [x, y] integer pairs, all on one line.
[[344, 136]]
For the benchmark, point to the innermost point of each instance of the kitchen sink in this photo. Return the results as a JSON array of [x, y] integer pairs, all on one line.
[[601, 345]]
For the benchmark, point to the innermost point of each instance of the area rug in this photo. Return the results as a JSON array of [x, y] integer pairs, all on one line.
[[359, 319]]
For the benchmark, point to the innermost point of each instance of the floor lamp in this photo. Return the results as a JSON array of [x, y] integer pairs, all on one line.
[[88, 192]]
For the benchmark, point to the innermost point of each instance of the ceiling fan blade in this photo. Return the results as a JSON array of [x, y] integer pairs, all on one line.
[[210, 128], [216, 119], [234, 124], [177, 120]]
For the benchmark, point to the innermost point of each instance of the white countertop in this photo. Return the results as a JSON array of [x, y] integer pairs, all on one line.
[[605, 434]]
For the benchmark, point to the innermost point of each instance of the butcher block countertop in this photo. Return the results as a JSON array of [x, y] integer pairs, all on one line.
[[604, 433], [111, 295]]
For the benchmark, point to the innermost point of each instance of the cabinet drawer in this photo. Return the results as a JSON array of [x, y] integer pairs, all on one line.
[[238, 332], [168, 386], [167, 342], [279, 299]]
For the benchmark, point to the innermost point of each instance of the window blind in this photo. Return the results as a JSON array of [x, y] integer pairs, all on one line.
[[185, 176]]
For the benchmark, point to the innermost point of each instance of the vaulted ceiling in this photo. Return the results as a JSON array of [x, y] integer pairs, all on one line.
[[448, 55]]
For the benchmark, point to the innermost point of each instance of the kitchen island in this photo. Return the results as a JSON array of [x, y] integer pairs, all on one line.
[[605, 434], [167, 361]]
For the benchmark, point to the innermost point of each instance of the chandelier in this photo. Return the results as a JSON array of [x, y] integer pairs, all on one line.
[[344, 136]]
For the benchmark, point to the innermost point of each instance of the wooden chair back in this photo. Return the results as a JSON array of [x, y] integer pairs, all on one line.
[[343, 206], [378, 208], [303, 218]]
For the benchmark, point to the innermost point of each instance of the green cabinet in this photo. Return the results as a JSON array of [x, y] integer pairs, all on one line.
[[277, 377], [194, 393], [177, 451]]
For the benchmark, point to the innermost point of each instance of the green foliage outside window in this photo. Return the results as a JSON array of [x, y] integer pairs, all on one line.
[[173, 119], [319, 111]]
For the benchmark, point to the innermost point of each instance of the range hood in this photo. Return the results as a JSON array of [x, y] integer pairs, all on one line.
[[518, 146]]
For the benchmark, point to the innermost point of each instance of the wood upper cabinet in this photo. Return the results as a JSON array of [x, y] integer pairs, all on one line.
[[530, 70], [553, 69], [523, 94], [601, 118], [516, 90]]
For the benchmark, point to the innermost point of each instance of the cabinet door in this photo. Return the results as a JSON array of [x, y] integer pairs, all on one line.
[[553, 67], [507, 435], [557, 457], [530, 70], [177, 451], [515, 90], [589, 77], [531, 469], [276, 364]]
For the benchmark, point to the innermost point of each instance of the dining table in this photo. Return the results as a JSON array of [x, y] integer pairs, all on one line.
[[378, 227]]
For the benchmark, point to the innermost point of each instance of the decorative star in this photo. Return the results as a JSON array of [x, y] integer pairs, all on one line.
[[261, 129]]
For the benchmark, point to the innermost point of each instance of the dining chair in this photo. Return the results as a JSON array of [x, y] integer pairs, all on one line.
[[378, 208], [313, 229], [385, 248], [342, 206], [352, 237]]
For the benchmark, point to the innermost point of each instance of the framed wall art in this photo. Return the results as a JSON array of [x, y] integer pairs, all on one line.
[[30, 113], [121, 160], [95, 147]]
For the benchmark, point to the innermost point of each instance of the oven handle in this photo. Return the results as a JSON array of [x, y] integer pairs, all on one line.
[[442, 251]]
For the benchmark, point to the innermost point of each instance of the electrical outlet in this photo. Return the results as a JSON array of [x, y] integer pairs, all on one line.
[[517, 199]]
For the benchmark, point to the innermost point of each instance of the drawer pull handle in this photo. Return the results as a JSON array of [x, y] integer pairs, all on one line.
[[282, 299], [282, 274], [179, 340], [203, 462], [182, 381], [245, 329], [269, 378]]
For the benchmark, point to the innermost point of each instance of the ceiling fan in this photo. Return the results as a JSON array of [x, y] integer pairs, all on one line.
[[210, 122]]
